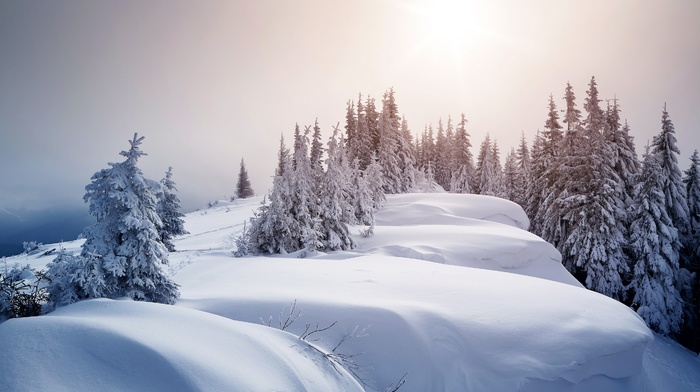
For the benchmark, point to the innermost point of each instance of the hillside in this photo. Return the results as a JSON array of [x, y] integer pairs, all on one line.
[[450, 294]]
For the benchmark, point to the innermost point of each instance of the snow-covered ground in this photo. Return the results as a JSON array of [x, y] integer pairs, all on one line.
[[450, 294]]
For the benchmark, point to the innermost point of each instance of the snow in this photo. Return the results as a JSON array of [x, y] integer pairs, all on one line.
[[451, 292]]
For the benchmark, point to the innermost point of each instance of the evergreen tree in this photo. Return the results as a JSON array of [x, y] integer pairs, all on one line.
[[624, 154], [549, 213], [442, 159], [534, 191], [122, 254], [407, 159], [665, 148], [334, 199], [243, 188], [389, 145], [316, 153], [462, 159], [304, 207], [372, 119], [282, 158], [361, 148], [522, 165], [482, 161], [351, 129], [510, 177], [655, 244], [690, 336], [169, 212], [375, 183], [593, 208]]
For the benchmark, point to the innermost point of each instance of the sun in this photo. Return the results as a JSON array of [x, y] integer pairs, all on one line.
[[448, 24]]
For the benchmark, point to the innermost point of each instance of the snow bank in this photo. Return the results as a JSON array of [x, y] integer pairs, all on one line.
[[466, 230], [451, 328], [106, 345]]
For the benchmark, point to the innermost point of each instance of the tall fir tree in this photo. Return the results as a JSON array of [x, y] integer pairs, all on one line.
[[690, 334], [510, 177], [243, 188], [123, 254], [655, 244], [664, 146], [522, 164], [462, 159], [389, 145]]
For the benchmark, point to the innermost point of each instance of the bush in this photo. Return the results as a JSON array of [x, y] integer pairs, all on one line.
[[22, 292]]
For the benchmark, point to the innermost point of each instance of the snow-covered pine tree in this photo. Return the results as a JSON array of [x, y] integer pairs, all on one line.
[[389, 146], [692, 187], [316, 153], [624, 153], [594, 209], [407, 158], [351, 129], [123, 253], [375, 183], [654, 241], [549, 213], [372, 119], [462, 159], [334, 199], [169, 212], [304, 194], [690, 333], [282, 157], [510, 177], [442, 158], [361, 197], [535, 188], [522, 164], [664, 146], [482, 161], [243, 188]]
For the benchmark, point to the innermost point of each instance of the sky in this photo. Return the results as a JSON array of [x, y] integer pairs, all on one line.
[[209, 83]]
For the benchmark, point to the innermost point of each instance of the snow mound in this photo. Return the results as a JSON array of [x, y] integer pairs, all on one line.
[[451, 328], [449, 208], [464, 230], [106, 345]]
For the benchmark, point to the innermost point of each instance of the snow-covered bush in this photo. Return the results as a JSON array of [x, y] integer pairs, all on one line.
[[22, 292]]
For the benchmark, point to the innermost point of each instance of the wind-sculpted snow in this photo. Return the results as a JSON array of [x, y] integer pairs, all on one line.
[[445, 228], [450, 291], [106, 345], [451, 328]]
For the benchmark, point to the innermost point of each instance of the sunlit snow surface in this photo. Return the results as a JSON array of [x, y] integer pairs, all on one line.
[[450, 292]]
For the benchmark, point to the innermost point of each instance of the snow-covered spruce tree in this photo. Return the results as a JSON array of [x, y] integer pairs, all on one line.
[[375, 183], [664, 146], [522, 164], [594, 209], [481, 168], [692, 187], [372, 121], [351, 130], [123, 254], [624, 153], [304, 191], [654, 241], [334, 199], [442, 159], [548, 213], [169, 212], [690, 333], [243, 188], [462, 159], [510, 177], [534, 190], [282, 158], [362, 201], [388, 147], [407, 160], [361, 148]]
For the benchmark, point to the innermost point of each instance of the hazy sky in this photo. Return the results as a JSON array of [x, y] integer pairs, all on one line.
[[210, 82]]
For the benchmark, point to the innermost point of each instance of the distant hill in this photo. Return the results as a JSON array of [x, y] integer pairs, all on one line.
[[47, 226]]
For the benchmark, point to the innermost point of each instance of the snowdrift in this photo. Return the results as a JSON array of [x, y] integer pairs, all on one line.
[[106, 345], [450, 294]]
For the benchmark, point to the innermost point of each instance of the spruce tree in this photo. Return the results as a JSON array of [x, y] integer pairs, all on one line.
[[510, 177], [690, 336], [169, 212], [462, 159], [654, 241], [243, 188], [123, 254]]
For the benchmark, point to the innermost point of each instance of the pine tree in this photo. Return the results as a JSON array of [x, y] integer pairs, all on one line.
[[510, 177], [690, 336], [375, 183], [535, 186], [169, 212], [304, 207], [122, 252], [282, 158], [624, 154], [243, 188], [549, 213], [361, 148], [442, 158], [316, 153], [334, 199], [665, 148], [593, 208], [522, 164], [482, 162], [389, 146], [407, 159], [351, 129], [654, 241], [462, 160], [692, 187], [372, 120]]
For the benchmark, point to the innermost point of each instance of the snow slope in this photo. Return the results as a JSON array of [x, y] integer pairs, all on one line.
[[450, 292]]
